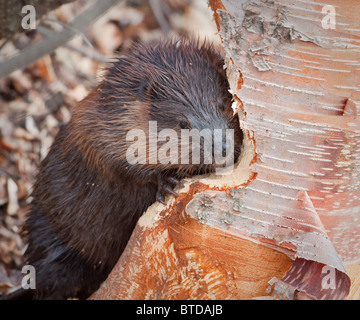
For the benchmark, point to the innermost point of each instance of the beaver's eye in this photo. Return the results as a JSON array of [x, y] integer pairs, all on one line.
[[184, 125]]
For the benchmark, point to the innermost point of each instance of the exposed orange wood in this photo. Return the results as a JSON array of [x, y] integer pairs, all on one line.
[[214, 5], [183, 259]]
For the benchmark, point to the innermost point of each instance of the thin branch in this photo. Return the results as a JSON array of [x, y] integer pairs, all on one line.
[[36, 51], [86, 52], [65, 25], [159, 15]]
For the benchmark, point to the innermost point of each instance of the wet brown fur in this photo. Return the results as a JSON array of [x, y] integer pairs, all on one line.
[[87, 198]]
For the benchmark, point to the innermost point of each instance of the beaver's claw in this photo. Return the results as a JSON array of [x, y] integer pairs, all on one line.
[[166, 184]]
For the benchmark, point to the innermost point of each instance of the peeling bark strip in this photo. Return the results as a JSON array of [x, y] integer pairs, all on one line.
[[301, 282], [300, 233], [300, 90]]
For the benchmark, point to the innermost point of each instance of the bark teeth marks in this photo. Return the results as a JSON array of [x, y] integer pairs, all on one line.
[[274, 28]]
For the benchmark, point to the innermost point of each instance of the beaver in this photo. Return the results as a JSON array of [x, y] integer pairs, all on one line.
[[87, 197]]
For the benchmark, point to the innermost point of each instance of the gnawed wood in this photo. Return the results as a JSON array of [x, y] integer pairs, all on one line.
[[178, 257]]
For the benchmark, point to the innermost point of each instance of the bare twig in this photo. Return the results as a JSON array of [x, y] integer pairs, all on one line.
[[3, 43], [76, 31], [36, 51], [87, 52], [159, 15]]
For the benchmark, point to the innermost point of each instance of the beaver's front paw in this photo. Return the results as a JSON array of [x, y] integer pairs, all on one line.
[[166, 184]]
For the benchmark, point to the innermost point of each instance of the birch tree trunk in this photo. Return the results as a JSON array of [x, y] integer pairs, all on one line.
[[286, 223]]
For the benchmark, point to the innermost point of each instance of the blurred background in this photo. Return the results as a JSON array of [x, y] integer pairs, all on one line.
[[42, 77]]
